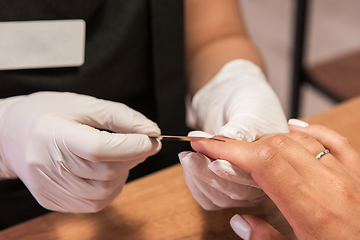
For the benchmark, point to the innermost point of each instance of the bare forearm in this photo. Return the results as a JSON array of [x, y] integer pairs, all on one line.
[[208, 61], [215, 35]]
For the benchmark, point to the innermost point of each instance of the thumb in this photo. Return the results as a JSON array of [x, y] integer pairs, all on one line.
[[251, 228]]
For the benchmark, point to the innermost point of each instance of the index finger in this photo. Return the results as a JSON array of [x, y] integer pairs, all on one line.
[[268, 168]]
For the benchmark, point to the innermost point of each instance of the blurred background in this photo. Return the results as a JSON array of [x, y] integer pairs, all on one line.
[[333, 31]]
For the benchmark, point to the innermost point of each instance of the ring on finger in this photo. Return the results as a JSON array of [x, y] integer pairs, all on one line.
[[320, 155]]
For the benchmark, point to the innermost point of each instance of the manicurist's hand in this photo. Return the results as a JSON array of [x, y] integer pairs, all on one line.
[[56, 144], [320, 197], [217, 184], [228, 96], [237, 103]]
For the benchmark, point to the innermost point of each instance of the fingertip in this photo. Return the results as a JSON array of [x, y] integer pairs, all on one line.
[[241, 227], [196, 163], [184, 158], [297, 123], [223, 165], [150, 129], [183, 154], [198, 145], [199, 134], [159, 145]]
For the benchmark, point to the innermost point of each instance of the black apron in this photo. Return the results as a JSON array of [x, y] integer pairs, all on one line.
[[134, 54]]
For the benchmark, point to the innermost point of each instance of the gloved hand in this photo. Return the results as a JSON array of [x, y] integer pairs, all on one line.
[[52, 142], [237, 103], [219, 184]]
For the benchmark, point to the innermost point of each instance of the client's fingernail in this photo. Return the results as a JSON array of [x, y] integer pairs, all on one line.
[[199, 134], [297, 122], [241, 227]]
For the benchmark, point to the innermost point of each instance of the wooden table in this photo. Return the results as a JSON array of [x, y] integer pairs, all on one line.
[[160, 205]]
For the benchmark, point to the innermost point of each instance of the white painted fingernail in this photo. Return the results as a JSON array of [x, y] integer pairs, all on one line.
[[199, 134], [297, 122], [241, 227]]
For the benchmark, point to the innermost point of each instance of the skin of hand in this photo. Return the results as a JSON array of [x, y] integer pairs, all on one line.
[[320, 198]]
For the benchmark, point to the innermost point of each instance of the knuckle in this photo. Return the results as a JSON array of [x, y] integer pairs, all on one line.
[[346, 188], [265, 153], [110, 175], [279, 141], [267, 159], [108, 172]]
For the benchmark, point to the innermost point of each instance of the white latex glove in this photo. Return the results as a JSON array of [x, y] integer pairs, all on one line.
[[237, 103], [52, 143], [218, 184]]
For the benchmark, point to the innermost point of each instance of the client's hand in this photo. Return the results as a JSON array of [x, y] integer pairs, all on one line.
[[320, 198]]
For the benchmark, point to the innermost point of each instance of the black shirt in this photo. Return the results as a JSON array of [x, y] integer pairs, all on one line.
[[134, 54]]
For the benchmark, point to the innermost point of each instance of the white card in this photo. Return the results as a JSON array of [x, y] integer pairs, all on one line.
[[42, 44]]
